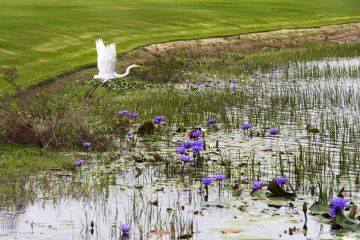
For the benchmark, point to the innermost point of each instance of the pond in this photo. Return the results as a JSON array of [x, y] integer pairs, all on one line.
[[142, 183]]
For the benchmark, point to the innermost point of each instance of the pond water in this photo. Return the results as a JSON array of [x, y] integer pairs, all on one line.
[[180, 210], [143, 183]]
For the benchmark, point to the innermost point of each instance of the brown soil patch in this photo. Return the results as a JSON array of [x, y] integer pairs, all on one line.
[[279, 38]]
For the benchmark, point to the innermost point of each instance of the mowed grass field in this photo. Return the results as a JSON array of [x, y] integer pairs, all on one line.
[[47, 37]]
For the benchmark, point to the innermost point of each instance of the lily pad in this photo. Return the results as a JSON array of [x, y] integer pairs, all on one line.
[[186, 236], [346, 223], [277, 202], [147, 128], [237, 192], [139, 171], [277, 191], [319, 209], [258, 193]]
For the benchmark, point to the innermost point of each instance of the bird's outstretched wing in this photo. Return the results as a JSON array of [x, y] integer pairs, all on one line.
[[106, 57]]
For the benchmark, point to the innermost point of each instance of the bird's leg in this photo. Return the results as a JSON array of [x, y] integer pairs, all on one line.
[[92, 90]]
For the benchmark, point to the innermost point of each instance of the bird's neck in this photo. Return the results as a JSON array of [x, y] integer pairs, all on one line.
[[127, 71]]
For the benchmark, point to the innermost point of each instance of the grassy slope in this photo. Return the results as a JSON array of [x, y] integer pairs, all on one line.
[[43, 38]]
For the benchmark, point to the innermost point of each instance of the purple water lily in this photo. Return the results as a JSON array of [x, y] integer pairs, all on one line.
[[130, 114], [158, 119], [274, 131], [185, 158], [207, 180], [281, 180], [246, 126], [129, 135], [219, 177], [338, 205], [232, 81], [181, 150], [187, 144], [197, 148], [79, 163], [212, 121], [197, 143], [87, 144], [122, 112], [125, 228], [196, 133], [258, 184]]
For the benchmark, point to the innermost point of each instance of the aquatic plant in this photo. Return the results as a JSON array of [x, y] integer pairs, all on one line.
[[281, 180], [197, 143], [246, 126], [125, 228], [196, 134], [258, 184], [187, 144], [207, 180], [185, 158], [274, 131], [233, 81], [129, 135], [147, 128], [122, 112], [128, 114], [158, 120], [87, 144], [79, 162], [197, 148], [219, 177], [212, 121], [181, 150], [337, 205]]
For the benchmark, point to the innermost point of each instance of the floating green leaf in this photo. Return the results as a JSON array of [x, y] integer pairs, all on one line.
[[277, 191], [346, 223], [319, 209]]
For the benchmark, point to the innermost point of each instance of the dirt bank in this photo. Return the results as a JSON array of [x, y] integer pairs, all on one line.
[[279, 38]]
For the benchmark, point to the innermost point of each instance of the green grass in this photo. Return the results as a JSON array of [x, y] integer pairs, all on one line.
[[18, 161], [44, 38]]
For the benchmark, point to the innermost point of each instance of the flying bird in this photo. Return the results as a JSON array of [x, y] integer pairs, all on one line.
[[106, 62]]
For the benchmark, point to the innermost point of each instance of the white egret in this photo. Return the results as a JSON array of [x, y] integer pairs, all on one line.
[[106, 62]]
